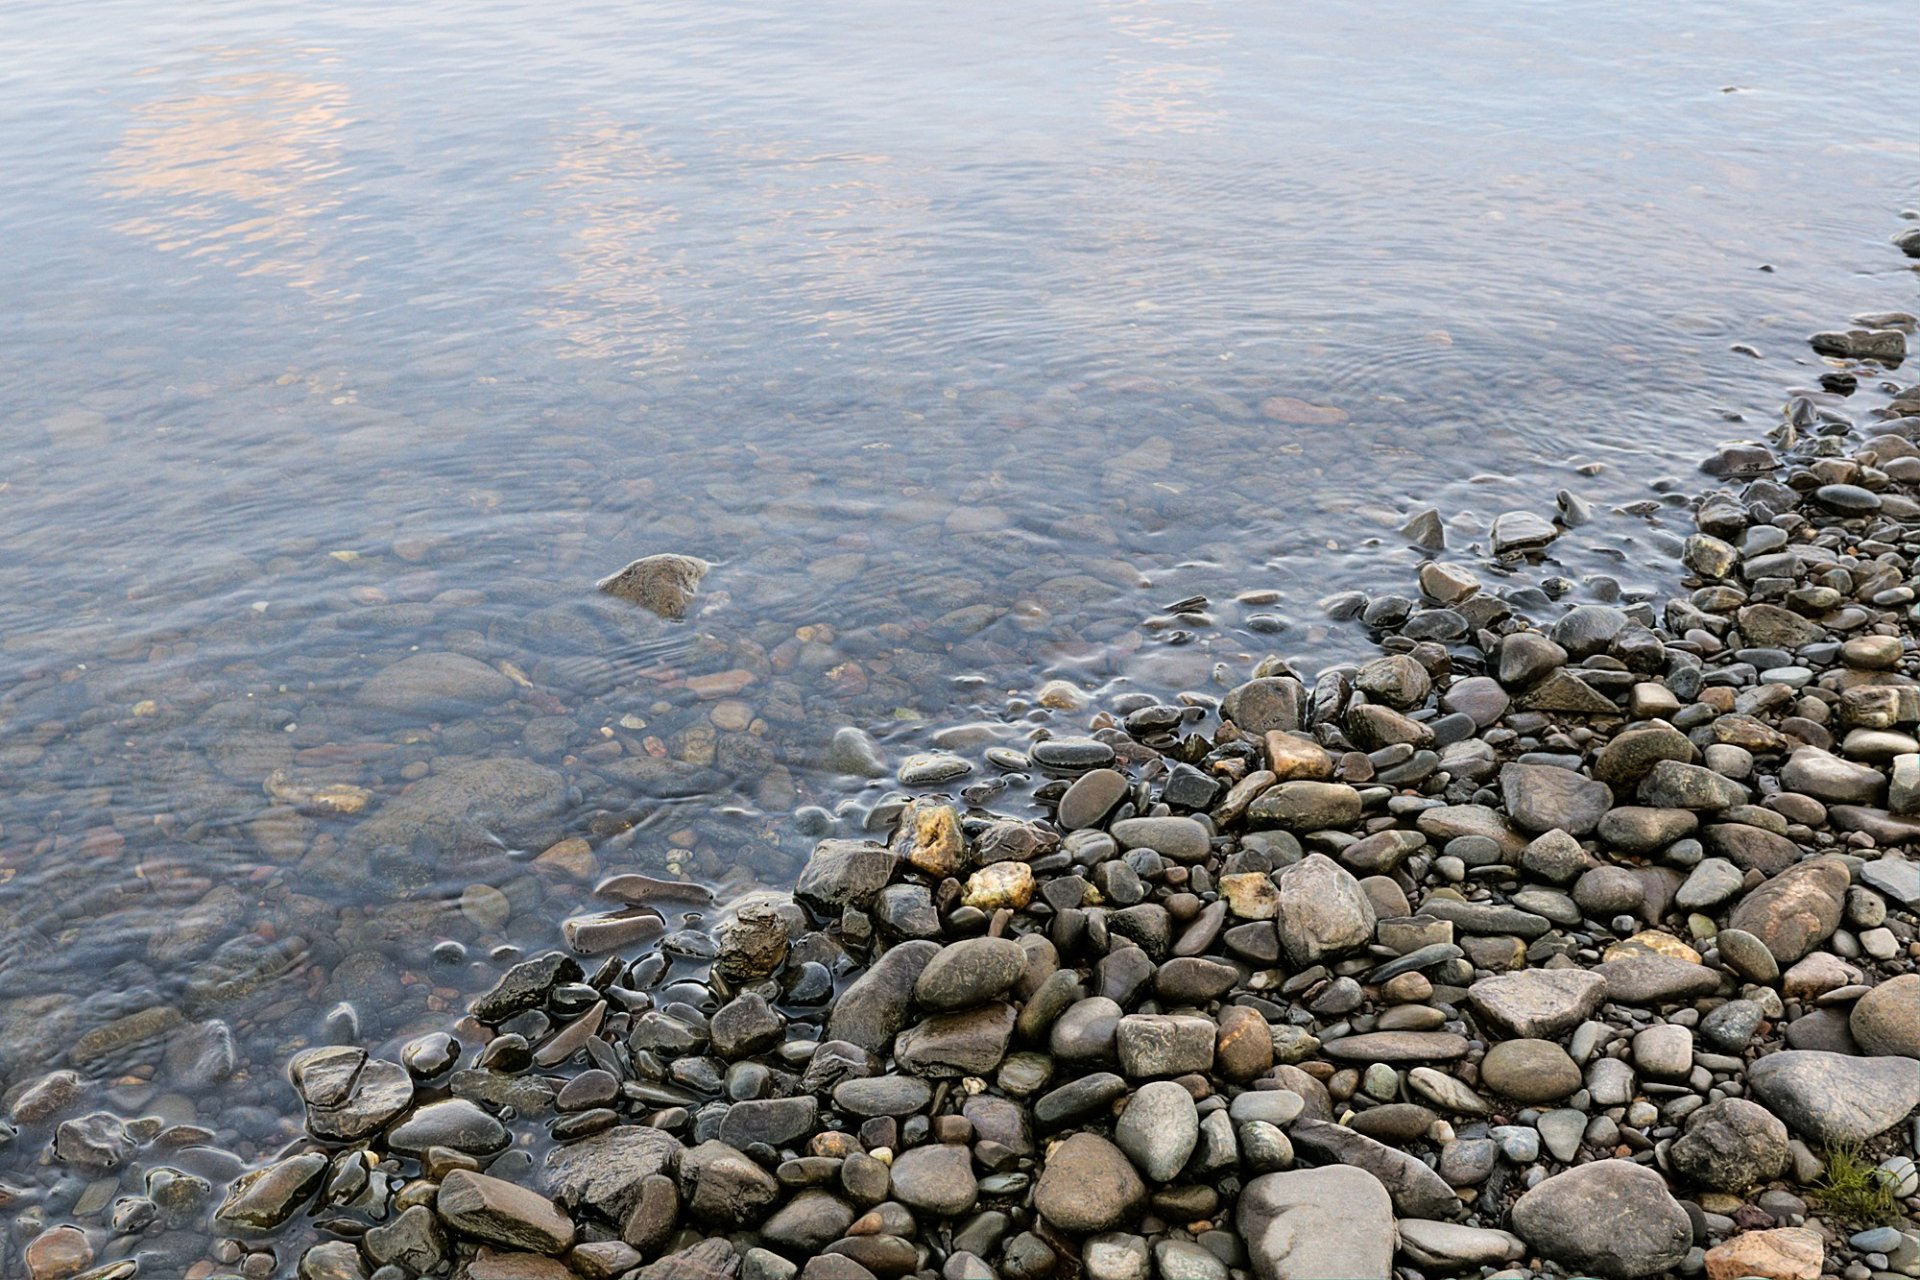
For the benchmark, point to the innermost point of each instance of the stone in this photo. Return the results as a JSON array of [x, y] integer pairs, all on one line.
[[1711, 882], [1002, 884], [1452, 1246], [1664, 1051], [968, 1043], [1889, 345], [968, 973], [1090, 798], [1825, 776], [929, 837], [1886, 1020], [1769, 626], [1414, 1189], [1782, 1253], [266, 1198], [1538, 1003], [1251, 895], [1088, 1184], [1395, 1047], [332, 1260], [1611, 1218], [809, 1222], [936, 1179], [853, 752], [776, 1122], [723, 1187], [1323, 910], [1158, 1129], [1750, 848], [1305, 806], [1332, 1223], [1747, 956], [1633, 753], [1154, 1044], [882, 1095], [1555, 856], [499, 1212], [435, 684], [413, 1241], [473, 804], [605, 1171], [97, 1142], [454, 1123], [665, 584], [1639, 829], [1116, 1255], [1530, 1071], [1656, 979], [1832, 1097], [1185, 1260], [875, 1006], [1243, 1049], [1670, 784], [1182, 839], [744, 1026], [843, 873], [57, 1254], [1519, 532], [1796, 910], [1265, 704], [1543, 798], [1731, 1145], [1895, 877]]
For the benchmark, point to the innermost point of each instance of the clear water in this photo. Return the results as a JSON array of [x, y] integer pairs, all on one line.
[[962, 339]]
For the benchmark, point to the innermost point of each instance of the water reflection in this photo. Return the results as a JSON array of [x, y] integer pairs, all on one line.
[[608, 189], [246, 169]]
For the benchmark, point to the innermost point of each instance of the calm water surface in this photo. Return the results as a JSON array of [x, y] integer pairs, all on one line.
[[962, 339]]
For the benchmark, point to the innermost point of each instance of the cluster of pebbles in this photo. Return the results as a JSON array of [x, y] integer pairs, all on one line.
[[1585, 946]]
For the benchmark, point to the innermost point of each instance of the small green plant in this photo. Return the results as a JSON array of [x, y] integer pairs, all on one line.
[[1852, 1187]]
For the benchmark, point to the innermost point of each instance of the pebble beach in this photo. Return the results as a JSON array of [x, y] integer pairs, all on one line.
[[1552, 939]]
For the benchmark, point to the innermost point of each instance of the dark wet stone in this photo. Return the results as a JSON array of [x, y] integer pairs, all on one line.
[[874, 1009], [970, 972], [266, 1198], [1071, 753], [605, 1172], [883, 1096], [525, 986], [844, 873], [972, 1042], [455, 1123], [773, 1121]]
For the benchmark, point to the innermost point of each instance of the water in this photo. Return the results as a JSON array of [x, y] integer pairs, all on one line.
[[963, 340]]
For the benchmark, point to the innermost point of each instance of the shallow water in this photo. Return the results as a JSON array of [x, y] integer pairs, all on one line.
[[963, 340]]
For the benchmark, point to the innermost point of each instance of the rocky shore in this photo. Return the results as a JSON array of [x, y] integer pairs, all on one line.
[[1549, 941]]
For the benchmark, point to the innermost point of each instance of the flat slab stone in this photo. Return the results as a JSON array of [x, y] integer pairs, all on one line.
[[1394, 1047], [1538, 1003], [502, 1213], [1416, 1190], [1832, 1097], [1332, 1223], [1656, 979]]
